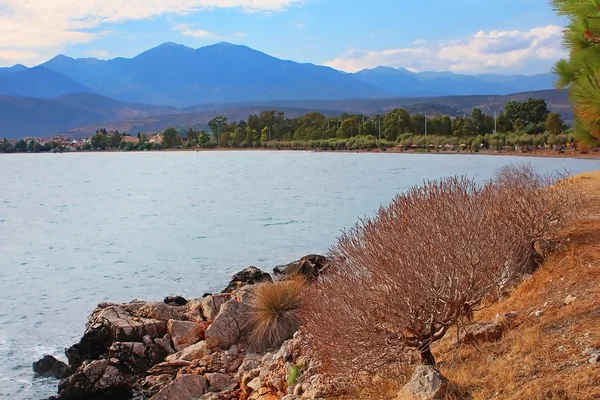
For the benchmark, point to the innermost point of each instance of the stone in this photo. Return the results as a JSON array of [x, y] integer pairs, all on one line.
[[570, 299], [228, 326], [190, 353], [168, 367], [186, 387], [50, 367], [175, 300], [309, 266], [95, 341], [185, 333], [481, 333], [248, 276], [162, 312], [94, 380], [152, 384], [135, 357], [595, 358], [426, 383], [211, 305], [218, 382]]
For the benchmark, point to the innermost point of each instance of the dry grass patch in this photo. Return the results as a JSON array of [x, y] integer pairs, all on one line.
[[273, 316]]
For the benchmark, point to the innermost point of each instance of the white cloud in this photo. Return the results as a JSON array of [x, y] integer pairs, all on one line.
[[190, 30], [495, 51], [41, 28], [100, 54]]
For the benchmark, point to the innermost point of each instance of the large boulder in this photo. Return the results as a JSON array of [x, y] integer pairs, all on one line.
[[190, 353], [218, 382], [96, 380], [186, 387], [309, 266], [211, 305], [228, 326], [50, 367], [185, 333], [175, 301], [248, 276], [483, 333], [426, 383], [162, 311]]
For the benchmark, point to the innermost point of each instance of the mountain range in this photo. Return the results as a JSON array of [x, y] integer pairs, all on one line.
[[179, 76]]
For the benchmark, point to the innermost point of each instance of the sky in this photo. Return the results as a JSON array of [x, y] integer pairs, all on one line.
[[462, 36]]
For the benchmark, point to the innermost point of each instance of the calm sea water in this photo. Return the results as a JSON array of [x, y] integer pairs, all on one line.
[[79, 229]]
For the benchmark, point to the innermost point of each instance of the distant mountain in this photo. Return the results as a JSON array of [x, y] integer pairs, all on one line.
[[38, 82], [402, 82], [225, 73], [25, 116], [181, 76]]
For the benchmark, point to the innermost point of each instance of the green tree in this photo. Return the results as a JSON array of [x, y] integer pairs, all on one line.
[[264, 136], [580, 71], [21, 146], [203, 138], [30, 146], [114, 140], [224, 140], [478, 119], [217, 126], [238, 137], [192, 137], [171, 138], [554, 123], [100, 141]]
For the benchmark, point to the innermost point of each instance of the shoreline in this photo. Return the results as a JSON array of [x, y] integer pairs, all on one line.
[[570, 153]]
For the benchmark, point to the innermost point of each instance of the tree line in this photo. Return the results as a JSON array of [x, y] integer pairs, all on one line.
[[524, 124]]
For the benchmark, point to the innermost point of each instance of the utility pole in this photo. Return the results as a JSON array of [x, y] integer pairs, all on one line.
[[495, 123], [269, 133], [425, 124], [379, 127]]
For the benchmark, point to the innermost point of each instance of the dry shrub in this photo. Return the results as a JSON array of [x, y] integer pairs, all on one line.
[[541, 205], [400, 279], [273, 315]]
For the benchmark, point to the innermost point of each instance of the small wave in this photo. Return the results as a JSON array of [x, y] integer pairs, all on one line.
[[281, 223]]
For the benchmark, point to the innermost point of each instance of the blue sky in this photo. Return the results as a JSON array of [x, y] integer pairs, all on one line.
[[466, 36]]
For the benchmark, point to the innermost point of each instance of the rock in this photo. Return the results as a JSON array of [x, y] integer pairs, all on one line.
[[211, 305], [219, 361], [95, 341], [135, 357], [175, 300], [426, 383], [589, 351], [152, 384], [228, 326], [309, 266], [162, 312], [94, 380], [186, 387], [190, 353], [219, 382], [168, 368], [248, 276], [570, 299], [185, 333], [595, 358], [480, 333], [50, 367]]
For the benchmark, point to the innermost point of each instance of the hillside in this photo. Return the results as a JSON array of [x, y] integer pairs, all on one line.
[[25, 116], [38, 82]]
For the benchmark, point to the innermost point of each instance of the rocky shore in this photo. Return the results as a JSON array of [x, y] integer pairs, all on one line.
[[180, 349]]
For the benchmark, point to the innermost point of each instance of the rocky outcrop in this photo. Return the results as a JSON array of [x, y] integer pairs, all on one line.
[[179, 349], [309, 266], [50, 367], [426, 383], [95, 380], [482, 333], [249, 276]]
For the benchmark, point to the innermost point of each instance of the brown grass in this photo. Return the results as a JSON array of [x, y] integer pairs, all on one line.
[[273, 315], [538, 358]]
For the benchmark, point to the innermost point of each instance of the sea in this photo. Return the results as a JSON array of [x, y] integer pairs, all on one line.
[[77, 229]]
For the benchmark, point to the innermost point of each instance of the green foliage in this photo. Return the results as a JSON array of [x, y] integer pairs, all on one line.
[[293, 375], [171, 138]]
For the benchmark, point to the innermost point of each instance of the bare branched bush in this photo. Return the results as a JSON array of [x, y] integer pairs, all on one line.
[[542, 205], [399, 280], [273, 315]]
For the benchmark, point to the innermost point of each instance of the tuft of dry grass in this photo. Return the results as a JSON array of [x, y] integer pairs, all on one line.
[[273, 316]]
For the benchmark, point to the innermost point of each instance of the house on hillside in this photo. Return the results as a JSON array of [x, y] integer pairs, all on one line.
[[156, 138], [130, 139]]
